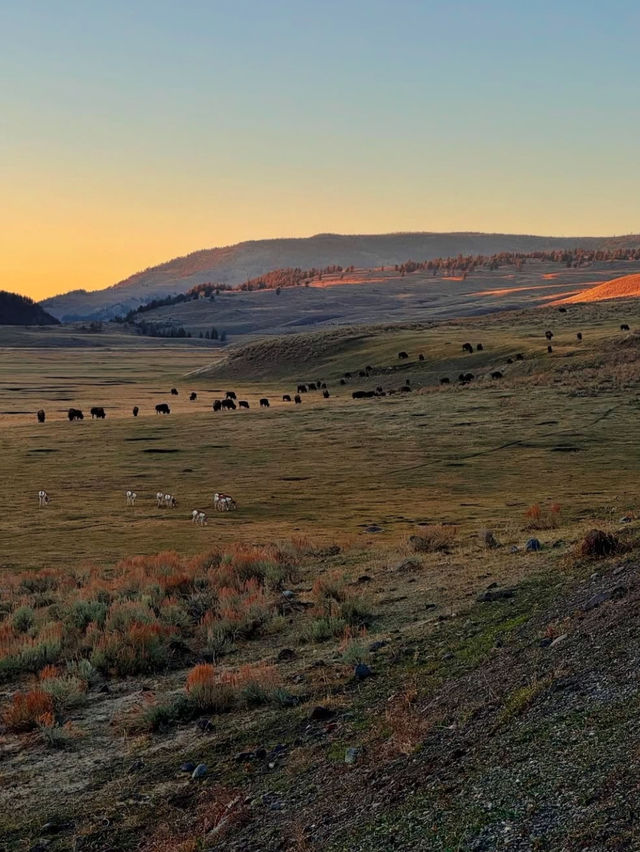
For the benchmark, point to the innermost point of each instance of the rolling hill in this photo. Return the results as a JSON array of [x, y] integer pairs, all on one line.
[[626, 287], [20, 310], [234, 264]]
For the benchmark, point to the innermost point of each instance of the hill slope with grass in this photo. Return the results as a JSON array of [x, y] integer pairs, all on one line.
[[232, 265], [628, 286]]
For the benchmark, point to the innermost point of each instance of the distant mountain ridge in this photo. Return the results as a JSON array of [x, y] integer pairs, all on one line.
[[20, 310], [232, 265]]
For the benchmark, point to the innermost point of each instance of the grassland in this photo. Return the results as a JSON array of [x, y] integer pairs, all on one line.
[[349, 481]]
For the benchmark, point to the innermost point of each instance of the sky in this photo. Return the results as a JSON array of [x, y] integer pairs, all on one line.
[[134, 131]]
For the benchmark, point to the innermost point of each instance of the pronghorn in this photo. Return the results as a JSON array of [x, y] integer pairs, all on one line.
[[201, 519], [43, 498], [194, 515], [170, 501], [130, 497], [159, 499], [223, 502]]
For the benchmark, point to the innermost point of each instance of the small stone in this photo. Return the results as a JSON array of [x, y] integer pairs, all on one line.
[[199, 772], [350, 755], [286, 654], [189, 766], [362, 671], [533, 544], [374, 528], [364, 578], [288, 594], [558, 640]]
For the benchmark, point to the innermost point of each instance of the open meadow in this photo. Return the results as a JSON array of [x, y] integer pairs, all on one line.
[[365, 531]]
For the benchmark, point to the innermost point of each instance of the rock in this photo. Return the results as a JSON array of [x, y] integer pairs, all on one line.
[[362, 671], [515, 548], [431, 605], [496, 595], [351, 755], [271, 801], [488, 538], [408, 565], [321, 714], [288, 594], [611, 594], [189, 766], [199, 772], [286, 654], [375, 646], [544, 643], [364, 578], [533, 544], [626, 519], [374, 528]]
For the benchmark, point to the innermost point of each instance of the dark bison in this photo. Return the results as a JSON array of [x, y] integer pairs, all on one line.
[[362, 394], [98, 412], [548, 334], [509, 360], [229, 404], [343, 381], [347, 375], [174, 391], [312, 386], [230, 395], [579, 335], [286, 398], [323, 385], [243, 403], [135, 410], [496, 374], [405, 389], [264, 402], [40, 415], [217, 405], [75, 414], [549, 349], [362, 374], [562, 310], [421, 357], [302, 388], [403, 356], [444, 380], [162, 408], [325, 393], [193, 396], [297, 399], [624, 327], [379, 389], [519, 357], [479, 347], [369, 368], [467, 347]]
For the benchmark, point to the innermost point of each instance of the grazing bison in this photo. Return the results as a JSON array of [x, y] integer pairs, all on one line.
[[548, 334], [549, 349], [230, 395], [369, 368], [297, 399], [359, 395], [217, 405], [362, 374], [467, 347], [562, 310], [624, 327], [579, 335], [302, 388], [403, 356], [519, 357], [174, 391], [193, 396], [509, 360], [162, 408], [135, 410], [444, 381], [405, 389], [264, 402], [286, 398], [312, 386], [421, 357], [347, 375], [496, 374], [75, 414], [40, 415], [479, 347], [98, 412], [343, 381], [228, 404], [325, 393], [323, 385], [243, 403]]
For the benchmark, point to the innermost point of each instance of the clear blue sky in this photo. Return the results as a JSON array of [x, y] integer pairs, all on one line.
[[131, 132]]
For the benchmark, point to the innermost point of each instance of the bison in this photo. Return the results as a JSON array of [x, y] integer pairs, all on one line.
[[75, 414], [312, 386], [405, 389], [297, 399], [562, 310], [193, 396], [548, 334], [243, 403], [444, 380], [403, 356], [230, 395], [479, 347], [174, 391], [624, 327], [229, 404], [496, 374], [362, 374], [467, 347], [302, 388], [286, 398], [421, 357], [98, 412], [343, 381], [519, 357], [579, 335], [135, 410], [347, 375], [217, 405], [325, 393], [264, 402], [549, 349], [509, 360], [162, 408], [40, 415]]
